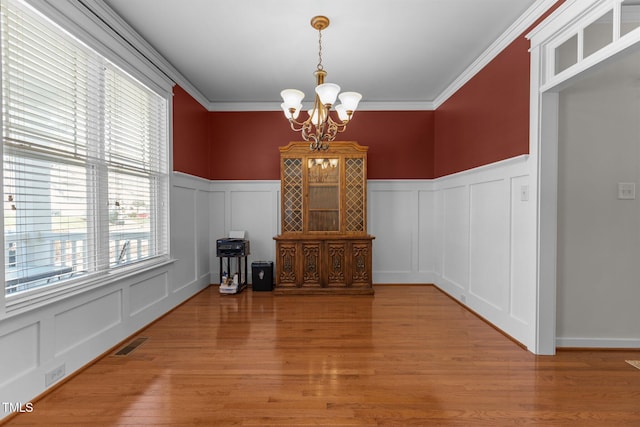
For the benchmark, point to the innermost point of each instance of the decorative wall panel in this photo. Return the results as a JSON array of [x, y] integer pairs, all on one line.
[[18, 363], [82, 322]]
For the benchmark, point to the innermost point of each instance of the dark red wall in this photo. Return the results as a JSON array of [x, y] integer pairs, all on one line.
[[245, 144], [488, 118], [191, 152], [400, 143]]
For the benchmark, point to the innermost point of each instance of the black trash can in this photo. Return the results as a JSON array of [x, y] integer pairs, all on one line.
[[262, 276]]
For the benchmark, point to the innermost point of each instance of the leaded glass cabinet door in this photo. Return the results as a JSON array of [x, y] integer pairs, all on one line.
[[292, 195], [355, 195]]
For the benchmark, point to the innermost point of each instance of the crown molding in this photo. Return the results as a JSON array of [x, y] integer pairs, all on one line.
[[363, 106], [243, 106], [512, 33], [395, 105]]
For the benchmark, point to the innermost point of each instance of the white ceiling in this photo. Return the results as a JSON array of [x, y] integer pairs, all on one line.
[[392, 51]]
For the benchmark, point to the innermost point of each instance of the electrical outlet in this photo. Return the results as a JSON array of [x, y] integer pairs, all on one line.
[[54, 375], [626, 190]]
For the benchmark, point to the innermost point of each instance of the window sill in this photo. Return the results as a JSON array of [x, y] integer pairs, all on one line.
[[38, 298]]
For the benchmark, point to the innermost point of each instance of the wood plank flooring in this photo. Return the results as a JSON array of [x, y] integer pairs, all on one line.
[[408, 356]]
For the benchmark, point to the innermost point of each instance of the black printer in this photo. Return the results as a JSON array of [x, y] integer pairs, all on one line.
[[231, 247]]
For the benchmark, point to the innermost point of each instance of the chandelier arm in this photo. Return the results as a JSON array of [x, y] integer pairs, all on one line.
[[293, 124], [341, 122], [331, 130], [339, 127], [306, 131]]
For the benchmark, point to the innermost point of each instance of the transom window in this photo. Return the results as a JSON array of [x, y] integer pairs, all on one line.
[[605, 23]]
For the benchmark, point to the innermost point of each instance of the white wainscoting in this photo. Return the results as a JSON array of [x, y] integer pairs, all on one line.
[[401, 216], [72, 332], [485, 257], [467, 233], [251, 206]]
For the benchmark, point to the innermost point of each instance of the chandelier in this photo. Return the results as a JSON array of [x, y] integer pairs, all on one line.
[[320, 128]]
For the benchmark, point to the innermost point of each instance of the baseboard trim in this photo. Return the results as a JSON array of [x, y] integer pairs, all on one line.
[[598, 343]]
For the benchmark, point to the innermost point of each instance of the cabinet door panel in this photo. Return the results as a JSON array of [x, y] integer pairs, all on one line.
[[310, 264], [361, 262], [287, 271], [336, 263]]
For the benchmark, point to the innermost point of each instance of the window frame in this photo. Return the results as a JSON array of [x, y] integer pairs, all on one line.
[[81, 22]]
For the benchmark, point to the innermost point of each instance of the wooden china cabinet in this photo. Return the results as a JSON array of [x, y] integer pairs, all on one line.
[[323, 246]]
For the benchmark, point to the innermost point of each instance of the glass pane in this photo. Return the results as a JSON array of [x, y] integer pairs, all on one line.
[[133, 123], [130, 217], [566, 54], [324, 194], [323, 171], [630, 16], [46, 222], [598, 34], [324, 221], [47, 85], [323, 197]]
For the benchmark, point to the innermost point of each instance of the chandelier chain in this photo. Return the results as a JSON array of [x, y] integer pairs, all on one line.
[[320, 67]]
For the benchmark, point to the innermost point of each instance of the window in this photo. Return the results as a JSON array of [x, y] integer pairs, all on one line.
[[84, 159]]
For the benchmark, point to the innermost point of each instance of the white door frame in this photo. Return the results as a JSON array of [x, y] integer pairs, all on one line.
[[567, 21]]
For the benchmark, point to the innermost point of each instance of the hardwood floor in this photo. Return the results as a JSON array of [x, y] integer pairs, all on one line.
[[408, 356]]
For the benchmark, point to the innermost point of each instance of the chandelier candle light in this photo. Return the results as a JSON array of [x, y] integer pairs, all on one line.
[[320, 128]]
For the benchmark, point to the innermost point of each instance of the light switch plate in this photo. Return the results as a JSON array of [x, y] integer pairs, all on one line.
[[626, 190]]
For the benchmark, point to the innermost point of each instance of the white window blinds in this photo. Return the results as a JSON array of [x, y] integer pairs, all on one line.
[[84, 158]]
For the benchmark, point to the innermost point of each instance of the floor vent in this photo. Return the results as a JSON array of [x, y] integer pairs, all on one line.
[[126, 350], [635, 363]]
